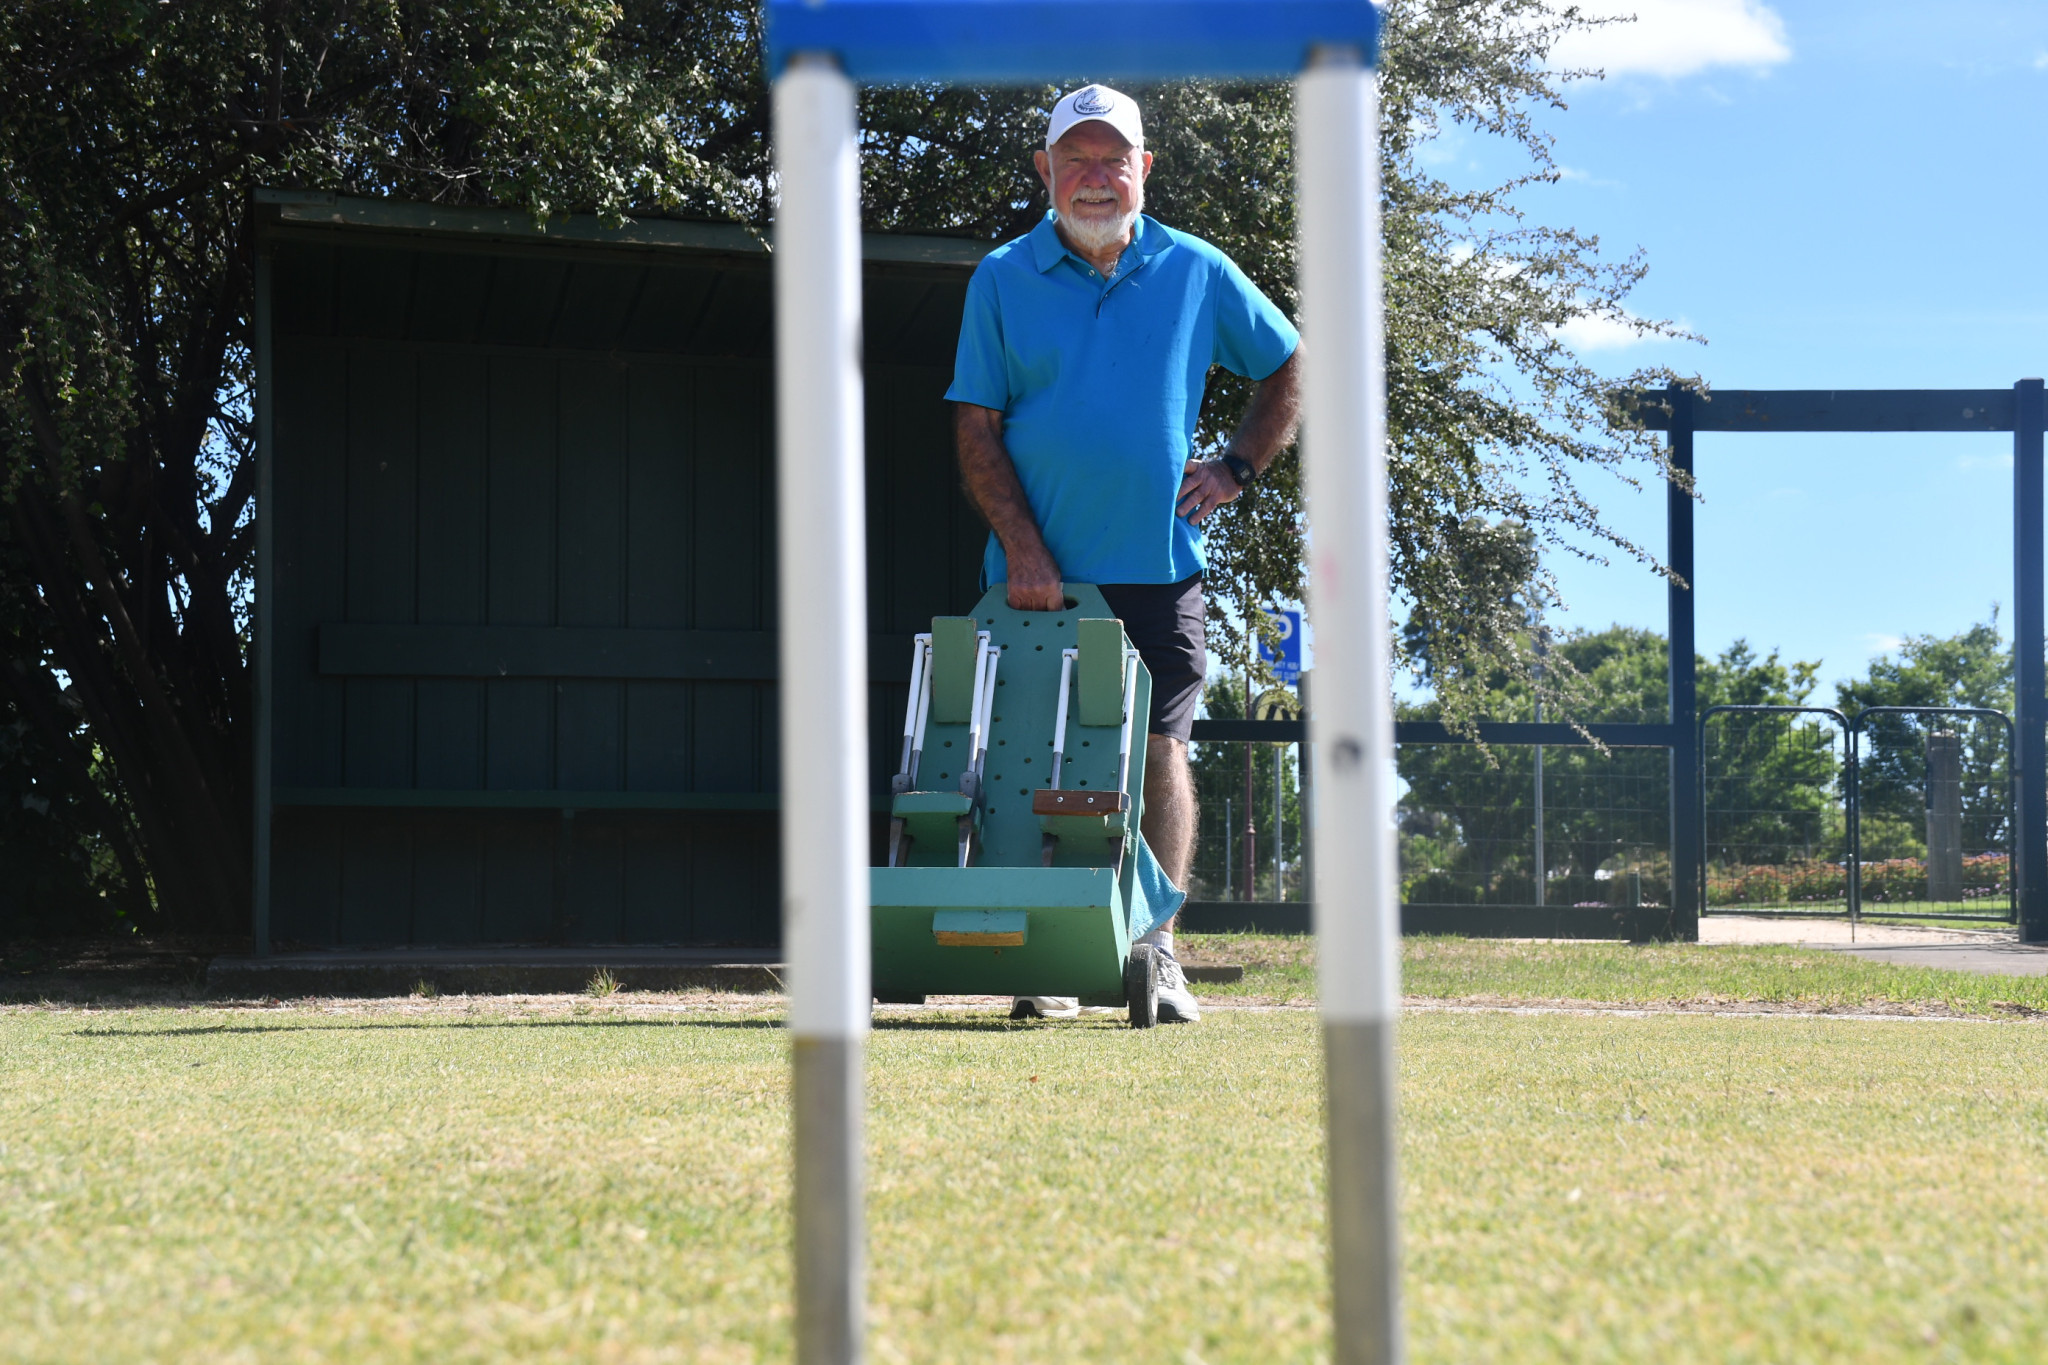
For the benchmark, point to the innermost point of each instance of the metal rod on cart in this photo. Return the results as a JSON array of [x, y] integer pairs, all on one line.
[[1059, 724], [1344, 460], [920, 646], [1123, 760], [988, 707], [974, 731], [821, 516], [924, 711]]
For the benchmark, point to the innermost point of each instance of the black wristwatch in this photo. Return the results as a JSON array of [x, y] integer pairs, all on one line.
[[1240, 469]]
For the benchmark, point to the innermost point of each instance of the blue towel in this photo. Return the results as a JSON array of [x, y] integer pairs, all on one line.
[[1154, 899]]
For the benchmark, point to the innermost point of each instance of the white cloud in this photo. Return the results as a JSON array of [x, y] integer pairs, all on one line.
[[1676, 37], [1585, 334], [2041, 61], [1885, 644]]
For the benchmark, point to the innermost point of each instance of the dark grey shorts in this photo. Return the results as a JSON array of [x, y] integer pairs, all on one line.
[[1168, 624]]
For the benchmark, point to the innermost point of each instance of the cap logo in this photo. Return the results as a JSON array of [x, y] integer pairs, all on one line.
[[1091, 102]]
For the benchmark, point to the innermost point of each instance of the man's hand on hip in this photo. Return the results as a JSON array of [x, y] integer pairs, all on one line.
[[1035, 583], [1205, 486]]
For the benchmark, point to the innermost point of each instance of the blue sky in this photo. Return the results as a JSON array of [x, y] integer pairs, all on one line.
[[1837, 196]]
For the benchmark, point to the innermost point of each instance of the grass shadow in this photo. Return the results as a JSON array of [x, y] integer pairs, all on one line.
[[381, 1026]]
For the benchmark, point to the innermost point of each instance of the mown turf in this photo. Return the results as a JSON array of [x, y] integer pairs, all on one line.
[[1282, 968], [605, 1181]]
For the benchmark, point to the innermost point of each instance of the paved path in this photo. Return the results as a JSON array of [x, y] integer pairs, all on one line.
[[1996, 951]]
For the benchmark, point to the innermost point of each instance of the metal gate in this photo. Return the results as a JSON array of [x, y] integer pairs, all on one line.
[[1934, 814], [1777, 797], [1904, 812]]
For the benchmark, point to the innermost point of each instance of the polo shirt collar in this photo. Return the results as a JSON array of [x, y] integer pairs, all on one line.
[[1148, 239]]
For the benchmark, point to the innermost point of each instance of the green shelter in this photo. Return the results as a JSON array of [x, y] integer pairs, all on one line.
[[515, 594]]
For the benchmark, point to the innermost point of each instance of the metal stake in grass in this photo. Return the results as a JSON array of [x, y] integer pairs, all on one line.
[[1344, 465], [824, 691]]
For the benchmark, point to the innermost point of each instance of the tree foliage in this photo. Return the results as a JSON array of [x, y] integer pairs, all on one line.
[[1468, 816], [1972, 668], [132, 132]]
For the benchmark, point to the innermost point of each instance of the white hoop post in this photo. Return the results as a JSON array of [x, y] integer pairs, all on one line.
[[823, 629], [1345, 471]]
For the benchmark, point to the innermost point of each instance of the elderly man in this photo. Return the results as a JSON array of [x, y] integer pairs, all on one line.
[[1084, 354]]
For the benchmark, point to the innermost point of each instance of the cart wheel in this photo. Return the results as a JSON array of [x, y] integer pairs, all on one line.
[[1141, 986]]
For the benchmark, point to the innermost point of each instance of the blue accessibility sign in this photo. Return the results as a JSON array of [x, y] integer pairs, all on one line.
[[1284, 653]]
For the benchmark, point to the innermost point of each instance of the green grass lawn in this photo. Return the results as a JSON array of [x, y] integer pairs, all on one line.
[[605, 1181], [1282, 968]]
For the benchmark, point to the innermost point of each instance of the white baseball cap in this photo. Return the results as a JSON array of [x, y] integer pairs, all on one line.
[[1096, 104]]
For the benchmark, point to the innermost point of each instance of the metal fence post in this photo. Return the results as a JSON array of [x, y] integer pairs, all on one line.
[[1688, 852], [1344, 459], [823, 669], [1304, 761], [2030, 673]]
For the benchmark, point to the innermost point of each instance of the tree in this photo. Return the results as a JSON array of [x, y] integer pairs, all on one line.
[[1971, 668], [131, 134], [1468, 816]]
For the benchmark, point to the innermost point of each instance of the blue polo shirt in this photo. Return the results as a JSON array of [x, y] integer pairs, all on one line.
[[1100, 382]]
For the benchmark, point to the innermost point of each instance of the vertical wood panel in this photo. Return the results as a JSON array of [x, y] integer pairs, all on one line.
[[657, 736], [519, 878], [447, 878], [725, 738], [305, 897], [596, 885], [302, 290], [376, 878], [449, 297], [655, 889], [591, 493], [658, 473], [659, 557], [454, 422], [310, 431], [598, 302], [383, 431], [729, 458], [731, 900], [373, 291], [519, 715]]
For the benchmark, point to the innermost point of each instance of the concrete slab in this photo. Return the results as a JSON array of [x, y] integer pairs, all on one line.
[[1995, 951], [2000, 959], [1833, 932]]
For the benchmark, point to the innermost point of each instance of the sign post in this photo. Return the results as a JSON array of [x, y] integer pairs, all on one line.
[[1284, 653], [817, 50]]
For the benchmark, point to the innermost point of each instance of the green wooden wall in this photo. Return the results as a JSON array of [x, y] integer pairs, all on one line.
[[522, 589]]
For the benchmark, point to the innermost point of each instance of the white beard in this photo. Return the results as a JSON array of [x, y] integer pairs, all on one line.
[[1099, 234]]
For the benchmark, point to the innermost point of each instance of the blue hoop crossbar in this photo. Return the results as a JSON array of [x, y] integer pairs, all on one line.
[[1031, 41]]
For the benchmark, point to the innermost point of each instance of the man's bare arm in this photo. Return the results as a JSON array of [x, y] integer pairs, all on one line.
[[1268, 425], [991, 481]]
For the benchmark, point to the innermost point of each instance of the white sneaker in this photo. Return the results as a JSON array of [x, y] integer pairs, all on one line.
[[1045, 1007], [1176, 1002]]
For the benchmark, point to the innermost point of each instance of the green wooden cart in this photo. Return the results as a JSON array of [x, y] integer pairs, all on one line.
[[1015, 865]]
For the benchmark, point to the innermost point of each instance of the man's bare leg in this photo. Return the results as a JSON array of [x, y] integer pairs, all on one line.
[[1170, 829], [1169, 823]]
